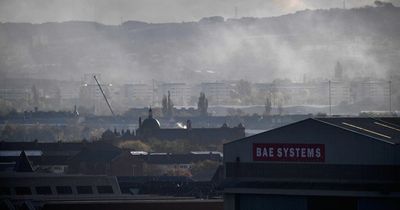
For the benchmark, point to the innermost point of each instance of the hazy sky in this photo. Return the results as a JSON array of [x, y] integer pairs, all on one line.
[[113, 11]]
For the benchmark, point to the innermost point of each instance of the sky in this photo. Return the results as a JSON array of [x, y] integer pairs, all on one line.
[[157, 11]]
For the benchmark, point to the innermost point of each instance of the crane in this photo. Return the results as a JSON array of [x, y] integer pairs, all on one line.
[[104, 95]]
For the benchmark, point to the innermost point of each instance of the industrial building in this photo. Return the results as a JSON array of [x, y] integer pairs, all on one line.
[[317, 163], [151, 128]]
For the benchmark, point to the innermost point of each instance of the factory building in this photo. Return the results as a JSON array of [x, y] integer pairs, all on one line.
[[320, 163]]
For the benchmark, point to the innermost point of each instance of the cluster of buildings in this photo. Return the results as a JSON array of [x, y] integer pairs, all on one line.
[[316, 163], [87, 95], [150, 128], [98, 158]]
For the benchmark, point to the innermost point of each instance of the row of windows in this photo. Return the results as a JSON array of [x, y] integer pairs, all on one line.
[[61, 190]]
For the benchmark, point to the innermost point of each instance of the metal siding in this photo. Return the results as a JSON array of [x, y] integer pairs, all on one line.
[[272, 202], [378, 204], [341, 146]]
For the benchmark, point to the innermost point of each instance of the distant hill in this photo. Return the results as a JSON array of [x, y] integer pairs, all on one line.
[[307, 43]]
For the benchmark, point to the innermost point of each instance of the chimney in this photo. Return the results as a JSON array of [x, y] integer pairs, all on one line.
[[140, 122]]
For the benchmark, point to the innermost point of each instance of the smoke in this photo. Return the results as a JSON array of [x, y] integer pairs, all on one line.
[[117, 11], [294, 46]]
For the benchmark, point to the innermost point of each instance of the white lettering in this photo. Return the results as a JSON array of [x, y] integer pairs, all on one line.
[[297, 152], [265, 152], [291, 152], [303, 152], [271, 152], [310, 152], [279, 151], [318, 152], [258, 152]]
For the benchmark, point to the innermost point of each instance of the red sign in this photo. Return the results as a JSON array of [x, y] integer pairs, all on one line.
[[289, 152]]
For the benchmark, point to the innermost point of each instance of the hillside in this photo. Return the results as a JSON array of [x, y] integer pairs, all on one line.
[[307, 43]]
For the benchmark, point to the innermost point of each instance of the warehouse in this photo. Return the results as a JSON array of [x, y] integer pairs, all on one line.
[[317, 163]]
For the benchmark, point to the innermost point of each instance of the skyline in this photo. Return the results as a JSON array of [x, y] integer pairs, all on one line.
[[157, 11]]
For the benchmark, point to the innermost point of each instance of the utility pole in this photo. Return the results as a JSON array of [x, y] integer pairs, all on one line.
[[330, 99], [390, 96], [153, 93]]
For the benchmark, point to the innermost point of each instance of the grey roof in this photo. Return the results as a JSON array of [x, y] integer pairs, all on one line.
[[179, 158], [381, 129], [96, 155], [378, 129]]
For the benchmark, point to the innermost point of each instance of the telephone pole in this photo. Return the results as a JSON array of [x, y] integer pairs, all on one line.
[[390, 96], [330, 98]]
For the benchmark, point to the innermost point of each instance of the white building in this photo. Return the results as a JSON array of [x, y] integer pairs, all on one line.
[[91, 97], [217, 93], [180, 93], [340, 92], [138, 95], [376, 91]]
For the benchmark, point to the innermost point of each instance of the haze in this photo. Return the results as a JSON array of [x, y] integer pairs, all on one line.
[[117, 11]]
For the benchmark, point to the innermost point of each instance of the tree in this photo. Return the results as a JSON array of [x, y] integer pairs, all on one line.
[[268, 106], [167, 105], [202, 104], [134, 145], [164, 104], [170, 105]]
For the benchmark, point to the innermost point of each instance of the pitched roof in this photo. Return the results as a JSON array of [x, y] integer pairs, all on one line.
[[381, 129], [23, 164], [180, 158], [376, 128], [96, 155]]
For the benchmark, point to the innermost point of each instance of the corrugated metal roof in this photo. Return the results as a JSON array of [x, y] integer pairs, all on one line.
[[375, 128], [382, 129]]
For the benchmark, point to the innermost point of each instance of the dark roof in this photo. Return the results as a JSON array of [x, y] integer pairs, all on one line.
[[94, 155], [150, 124], [180, 158], [23, 164], [391, 120], [54, 148], [382, 129], [371, 127]]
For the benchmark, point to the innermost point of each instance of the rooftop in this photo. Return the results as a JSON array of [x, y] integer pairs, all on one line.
[[382, 129]]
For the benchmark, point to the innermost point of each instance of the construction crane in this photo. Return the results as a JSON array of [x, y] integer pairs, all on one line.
[[104, 95]]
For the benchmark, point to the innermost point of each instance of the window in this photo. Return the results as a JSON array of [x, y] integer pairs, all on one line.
[[107, 189], [5, 191], [64, 190], [84, 189], [23, 191], [43, 190]]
